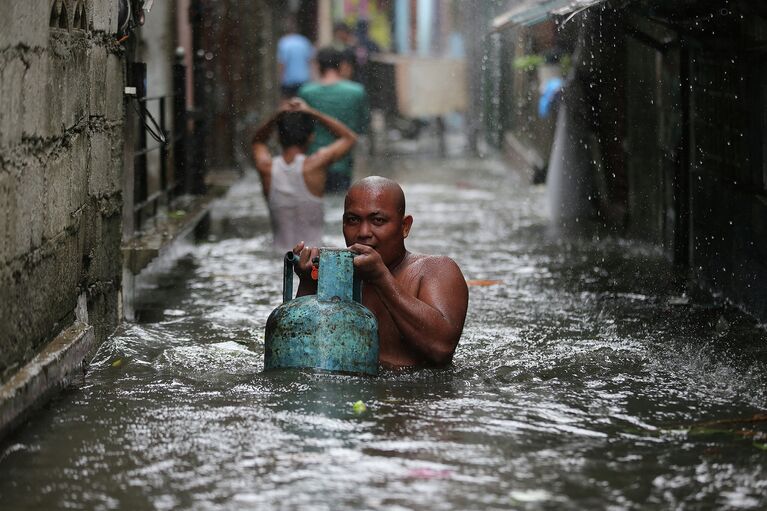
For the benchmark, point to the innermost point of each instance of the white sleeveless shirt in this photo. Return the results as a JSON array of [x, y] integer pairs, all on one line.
[[296, 214]]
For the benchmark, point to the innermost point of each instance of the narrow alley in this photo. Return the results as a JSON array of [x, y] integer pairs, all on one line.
[[588, 374], [592, 174]]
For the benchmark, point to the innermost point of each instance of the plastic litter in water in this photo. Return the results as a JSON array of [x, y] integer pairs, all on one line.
[[359, 407], [428, 473]]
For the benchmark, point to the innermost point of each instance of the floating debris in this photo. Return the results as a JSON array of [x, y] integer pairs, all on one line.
[[483, 283], [359, 407], [429, 473], [177, 214]]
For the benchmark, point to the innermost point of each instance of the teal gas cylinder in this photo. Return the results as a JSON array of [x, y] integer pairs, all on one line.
[[331, 330]]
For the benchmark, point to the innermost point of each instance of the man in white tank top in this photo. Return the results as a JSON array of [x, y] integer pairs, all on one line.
[[294, 183]]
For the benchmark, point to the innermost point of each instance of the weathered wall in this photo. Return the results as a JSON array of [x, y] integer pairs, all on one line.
[[61, 113], [728, 181], [650, 120], [712, 166]]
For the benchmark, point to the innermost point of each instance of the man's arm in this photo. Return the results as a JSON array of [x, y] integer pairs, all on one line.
[[430, 322], [346, 138], [261, 155]]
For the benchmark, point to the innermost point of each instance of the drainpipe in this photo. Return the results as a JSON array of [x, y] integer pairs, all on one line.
[[402, 26], [179, 122], [474, 18], [196, 175], [683, 233], [325, 23], [425, 22]]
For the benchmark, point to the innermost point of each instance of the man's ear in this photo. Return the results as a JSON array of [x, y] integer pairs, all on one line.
[[407, 223]]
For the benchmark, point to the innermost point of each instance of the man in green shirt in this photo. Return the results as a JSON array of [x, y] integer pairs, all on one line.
[[343, 99]]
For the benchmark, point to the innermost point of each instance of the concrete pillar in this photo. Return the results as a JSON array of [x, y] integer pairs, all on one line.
[[338, 9], [474, 26], [184, 34], [402, 26], [325, 23], [425, 25]]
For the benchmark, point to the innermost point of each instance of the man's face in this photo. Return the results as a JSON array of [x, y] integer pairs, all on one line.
[[341, 35], [371, 218]]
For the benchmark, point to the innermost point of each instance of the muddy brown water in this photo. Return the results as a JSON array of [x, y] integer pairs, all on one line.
[[589, 376]]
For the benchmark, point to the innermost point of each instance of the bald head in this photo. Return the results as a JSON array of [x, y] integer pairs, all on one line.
[[374, 215], [381, 187]]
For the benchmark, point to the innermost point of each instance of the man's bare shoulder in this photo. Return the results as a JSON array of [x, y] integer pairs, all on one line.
[[431, 265], [440, 283]]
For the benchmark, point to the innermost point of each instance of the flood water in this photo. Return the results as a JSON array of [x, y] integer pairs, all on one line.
[[588, 377]]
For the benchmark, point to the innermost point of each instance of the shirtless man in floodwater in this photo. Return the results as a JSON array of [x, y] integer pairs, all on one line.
[[419, 300]]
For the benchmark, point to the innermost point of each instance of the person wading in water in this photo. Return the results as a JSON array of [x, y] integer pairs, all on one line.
[[420, 301], [294, 183]]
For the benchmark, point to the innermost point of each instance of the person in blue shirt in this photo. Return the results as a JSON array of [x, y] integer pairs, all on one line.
[[294, 56]]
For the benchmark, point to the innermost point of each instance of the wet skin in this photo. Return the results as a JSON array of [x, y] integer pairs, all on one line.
[[420, 301]]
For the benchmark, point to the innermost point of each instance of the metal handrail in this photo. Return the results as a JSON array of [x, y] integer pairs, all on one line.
[[155, 98], [170, 130]]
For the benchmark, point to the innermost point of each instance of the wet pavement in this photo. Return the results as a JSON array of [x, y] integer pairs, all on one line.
[[589, 376]]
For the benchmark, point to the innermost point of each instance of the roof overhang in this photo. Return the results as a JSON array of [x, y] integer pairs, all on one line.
[[532, 12]]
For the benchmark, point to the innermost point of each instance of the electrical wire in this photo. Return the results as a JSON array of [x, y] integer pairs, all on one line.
[[155, 131]]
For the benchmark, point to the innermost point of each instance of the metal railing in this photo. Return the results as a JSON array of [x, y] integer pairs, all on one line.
[[168, 140]]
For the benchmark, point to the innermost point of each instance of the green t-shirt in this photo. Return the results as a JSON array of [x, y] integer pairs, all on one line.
[[346, 101]]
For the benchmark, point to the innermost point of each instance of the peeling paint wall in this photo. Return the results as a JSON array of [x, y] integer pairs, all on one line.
[[61, 144]]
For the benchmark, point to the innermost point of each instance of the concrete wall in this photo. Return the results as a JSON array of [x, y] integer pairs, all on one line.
[[61, 143]]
